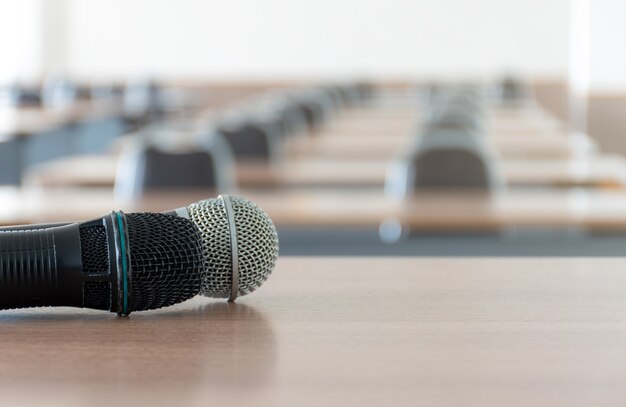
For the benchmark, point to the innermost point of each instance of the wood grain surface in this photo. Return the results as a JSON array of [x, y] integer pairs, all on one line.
[[28, 121], [336, 332], [458, 211]]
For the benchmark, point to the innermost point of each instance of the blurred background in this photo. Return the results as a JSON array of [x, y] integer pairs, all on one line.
[[362, 127]]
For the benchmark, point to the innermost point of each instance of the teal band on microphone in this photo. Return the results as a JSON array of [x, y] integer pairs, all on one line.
[[124, 264]]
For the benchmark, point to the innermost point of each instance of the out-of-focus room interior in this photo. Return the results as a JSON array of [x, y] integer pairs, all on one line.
[[400, 148], [361, 127]]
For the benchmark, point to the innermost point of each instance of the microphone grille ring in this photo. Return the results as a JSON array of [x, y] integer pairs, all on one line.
[[257, 244]]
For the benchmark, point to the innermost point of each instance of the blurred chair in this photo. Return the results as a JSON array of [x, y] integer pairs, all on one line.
[[444, 161], [142, 104], [145, 167], [106, 92], [455, 118], [292, 118], [58, 92], [356, 93], [335, 96], [512, 90], [364, 90], [48, 145], [252, 140], [23, 96], [10, 161], [315, 106], [456, 109], [327, 103], [95, 135]]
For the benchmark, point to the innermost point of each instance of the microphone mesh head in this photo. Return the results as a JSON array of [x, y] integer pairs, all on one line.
[[166, 260], [257, 244]]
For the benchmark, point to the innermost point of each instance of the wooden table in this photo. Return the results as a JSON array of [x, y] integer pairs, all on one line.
[[447, 212], [377, 133], [386, 143], [25, 121], [338, 332], [309, 171]]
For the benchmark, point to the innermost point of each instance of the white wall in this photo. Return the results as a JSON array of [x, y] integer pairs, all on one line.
[[55, 36], [316, 38], [20, 40], [608, 56]]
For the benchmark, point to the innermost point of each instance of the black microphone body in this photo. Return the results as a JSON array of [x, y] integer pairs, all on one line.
[[223, 247], [41, 267], [119, 263]]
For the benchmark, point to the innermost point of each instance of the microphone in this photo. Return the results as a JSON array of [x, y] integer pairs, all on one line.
[[119, 263], [221, 248]]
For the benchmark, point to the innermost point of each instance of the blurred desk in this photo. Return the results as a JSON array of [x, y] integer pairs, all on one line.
[[602, 171], [27, 121], [523, 132], [386, 145], [338, 332], [460, 211], [531, 117], [599, 171]]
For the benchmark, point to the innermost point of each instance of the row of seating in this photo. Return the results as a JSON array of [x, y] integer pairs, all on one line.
[[141, 97], [92, 135], [123, 109], [256, 131], [450, 150]]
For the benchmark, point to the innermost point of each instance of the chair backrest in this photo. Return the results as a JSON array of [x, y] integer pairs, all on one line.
[[251, 140], [22, 96], [456, 119], [143, 98], [512, 90], [58, 92], [48, 145], [10, 163], [444, 160], [455, 109], [449, 168], [146, 168], [315, 106], [96, 135]]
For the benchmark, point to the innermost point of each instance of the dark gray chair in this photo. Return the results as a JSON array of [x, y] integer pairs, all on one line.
[[252, 140], [456, 119], [24, 96], [456, 109], [10, 161], [18, 153], [95, 136], [292, 118], [315, 105], [58, 93], [144, 168], [49, 145], [512, 90], [142, 103], [449, 168], [440, 162], [444, 160]]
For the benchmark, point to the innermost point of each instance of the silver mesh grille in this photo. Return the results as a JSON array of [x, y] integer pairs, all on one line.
[[257, 245]]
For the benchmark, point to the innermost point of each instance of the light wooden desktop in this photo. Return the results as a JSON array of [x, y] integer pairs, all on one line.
[[387, 141], [343, 331], [447, 212], [594, 171], [28, 121]]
